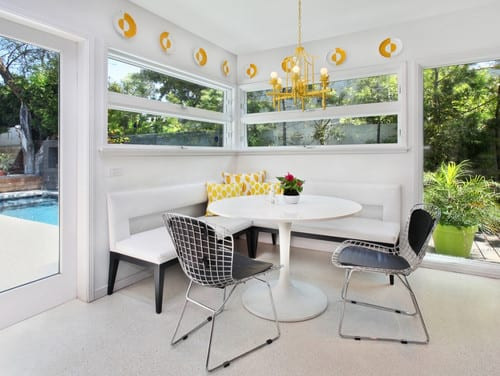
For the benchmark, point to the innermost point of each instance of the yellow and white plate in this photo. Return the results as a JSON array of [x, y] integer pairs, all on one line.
[[166, 42], [200, 56], [251, 70], [336, 56], [226, 69], [125, 25], [390, 47]]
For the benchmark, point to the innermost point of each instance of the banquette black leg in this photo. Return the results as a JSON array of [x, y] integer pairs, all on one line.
[[159, 276], [252, 237], [391, 279], [273, 237], [249, 234], [114, 260]]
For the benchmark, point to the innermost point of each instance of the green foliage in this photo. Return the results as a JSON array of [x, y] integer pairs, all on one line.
[[35, 74], [132, 127], [43, 87], [122, 125], [461, 117], [463, 200], [9, 108], [157, 86], [325, 129], [290, 184], [260, 135], [6, 160], [259, 101], [375, 89]]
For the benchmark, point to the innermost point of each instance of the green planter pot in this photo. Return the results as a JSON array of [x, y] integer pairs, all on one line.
[[453, 241]]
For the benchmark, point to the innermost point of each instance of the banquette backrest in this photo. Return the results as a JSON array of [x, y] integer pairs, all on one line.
[[124, 206], [381, 201]]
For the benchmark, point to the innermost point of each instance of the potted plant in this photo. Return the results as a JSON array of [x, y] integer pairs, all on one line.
[[291, 187], [6, 161], [465, 202]]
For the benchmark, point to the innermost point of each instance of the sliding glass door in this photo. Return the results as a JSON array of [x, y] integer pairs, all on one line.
[[37, 171], [462, 157]]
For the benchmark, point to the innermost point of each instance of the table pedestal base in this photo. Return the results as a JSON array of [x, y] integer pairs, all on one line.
[[295, 301]]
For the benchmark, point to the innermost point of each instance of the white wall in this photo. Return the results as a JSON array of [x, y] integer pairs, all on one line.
[[92, 20], [464, 36]]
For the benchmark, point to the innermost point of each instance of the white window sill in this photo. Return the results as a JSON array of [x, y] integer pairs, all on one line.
[[461, 265], [337, 149], [178, 151], [160, 150]]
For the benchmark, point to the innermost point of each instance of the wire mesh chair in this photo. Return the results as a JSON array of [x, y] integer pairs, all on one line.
[[207, 257], [400, 260]]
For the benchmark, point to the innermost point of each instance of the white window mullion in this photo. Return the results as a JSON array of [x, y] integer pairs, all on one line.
[[125, 102], [360, 110]]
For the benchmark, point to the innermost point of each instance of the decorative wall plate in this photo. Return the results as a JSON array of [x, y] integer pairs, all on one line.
[[200, 57], [166, 42], [125, 25], [225, 68], [390, 47], [336, 57], [287, 64], [251, 70]]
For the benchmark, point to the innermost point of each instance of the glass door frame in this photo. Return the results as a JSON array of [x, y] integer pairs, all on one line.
[[432, 260], [20, 303]]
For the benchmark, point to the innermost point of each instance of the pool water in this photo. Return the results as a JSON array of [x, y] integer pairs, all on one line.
[[39, 209]]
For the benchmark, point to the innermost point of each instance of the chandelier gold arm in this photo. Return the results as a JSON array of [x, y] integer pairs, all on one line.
[[299, 76]]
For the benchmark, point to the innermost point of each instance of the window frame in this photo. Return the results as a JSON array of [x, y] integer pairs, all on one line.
[[398, 108], [130, 103]]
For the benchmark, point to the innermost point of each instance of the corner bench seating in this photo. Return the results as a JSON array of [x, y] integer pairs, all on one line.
[[378, 221], [152, 246]]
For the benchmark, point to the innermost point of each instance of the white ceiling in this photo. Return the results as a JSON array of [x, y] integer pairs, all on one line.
[[245, 26]]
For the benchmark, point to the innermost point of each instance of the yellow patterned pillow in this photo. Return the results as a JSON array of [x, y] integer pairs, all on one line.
[[264, 188], [245, 179], [216, 191]]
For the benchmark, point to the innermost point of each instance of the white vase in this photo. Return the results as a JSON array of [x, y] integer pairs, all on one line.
[[291, 199]]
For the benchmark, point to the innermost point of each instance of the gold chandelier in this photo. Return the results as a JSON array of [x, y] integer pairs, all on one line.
[[299, 81]]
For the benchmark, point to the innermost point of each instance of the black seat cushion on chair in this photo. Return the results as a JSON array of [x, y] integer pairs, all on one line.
[[244, 267], [360, 256]]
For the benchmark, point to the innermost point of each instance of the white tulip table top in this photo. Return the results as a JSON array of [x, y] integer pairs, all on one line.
[[295, 300]]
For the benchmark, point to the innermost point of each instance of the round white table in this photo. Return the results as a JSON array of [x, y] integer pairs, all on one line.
[[295, 300]]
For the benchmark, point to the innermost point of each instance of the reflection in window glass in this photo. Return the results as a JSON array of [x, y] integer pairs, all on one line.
[[133, 80], [126, 127], [376, 89], [343, 131]]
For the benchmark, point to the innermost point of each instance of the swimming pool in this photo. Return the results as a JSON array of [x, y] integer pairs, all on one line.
[[42, 208]]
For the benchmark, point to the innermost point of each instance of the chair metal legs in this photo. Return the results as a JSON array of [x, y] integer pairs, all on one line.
[[417, 312], [214, 313]]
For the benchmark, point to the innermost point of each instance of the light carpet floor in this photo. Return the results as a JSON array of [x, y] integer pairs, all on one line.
[[121, 334]]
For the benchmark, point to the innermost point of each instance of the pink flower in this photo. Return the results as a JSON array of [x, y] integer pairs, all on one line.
[[289, 177]]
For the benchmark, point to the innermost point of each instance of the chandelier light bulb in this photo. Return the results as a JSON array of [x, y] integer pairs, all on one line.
[[279, 81], [296, 69], [323, 71], [274, 75]]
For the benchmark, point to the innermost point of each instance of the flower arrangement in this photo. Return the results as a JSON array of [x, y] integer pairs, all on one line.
[[291, 185]]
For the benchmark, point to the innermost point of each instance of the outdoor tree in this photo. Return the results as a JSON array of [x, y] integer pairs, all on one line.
[[461, 116], [156, 86], [30, 77]]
